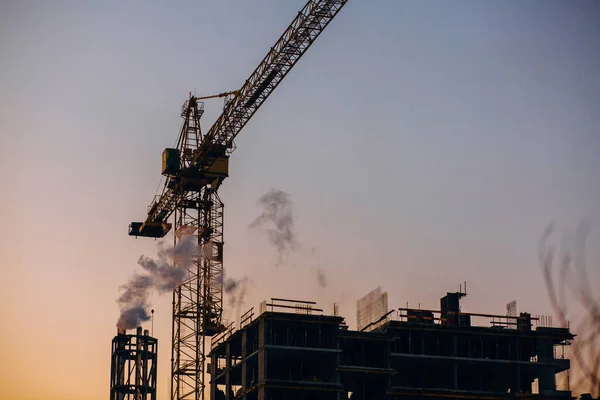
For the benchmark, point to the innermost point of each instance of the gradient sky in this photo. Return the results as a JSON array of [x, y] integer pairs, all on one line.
[[423, 143]]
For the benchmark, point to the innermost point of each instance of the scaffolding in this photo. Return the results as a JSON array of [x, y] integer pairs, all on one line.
[[133, 366]]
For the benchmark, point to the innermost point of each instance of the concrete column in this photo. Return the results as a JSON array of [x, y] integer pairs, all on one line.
[[455, 367], [547, 379], [388, 350], [244, 355], [228, 371], [213, 374], [481, 342], [262, 364], [455, 345]]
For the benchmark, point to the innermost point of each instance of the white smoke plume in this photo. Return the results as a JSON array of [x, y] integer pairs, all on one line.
[[236, 289], [277, 221], [160, 275]]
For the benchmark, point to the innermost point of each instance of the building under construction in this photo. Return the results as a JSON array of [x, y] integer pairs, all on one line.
[[290, 350]]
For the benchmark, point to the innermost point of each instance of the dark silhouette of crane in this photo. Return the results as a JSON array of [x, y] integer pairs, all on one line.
[[194, 171]]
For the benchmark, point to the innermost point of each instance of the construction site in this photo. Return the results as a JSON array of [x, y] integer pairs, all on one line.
[[289, 349]]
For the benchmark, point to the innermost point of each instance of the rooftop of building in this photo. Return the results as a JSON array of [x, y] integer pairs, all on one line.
[[449, 319]]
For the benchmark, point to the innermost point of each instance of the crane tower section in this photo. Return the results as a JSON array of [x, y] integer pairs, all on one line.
[[198, 218], [194, 171]]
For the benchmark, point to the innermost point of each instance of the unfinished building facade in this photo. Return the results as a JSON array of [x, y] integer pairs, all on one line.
[[291, 351]]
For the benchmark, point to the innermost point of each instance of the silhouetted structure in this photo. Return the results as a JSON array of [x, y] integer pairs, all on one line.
[[290, 351], [133, 366]]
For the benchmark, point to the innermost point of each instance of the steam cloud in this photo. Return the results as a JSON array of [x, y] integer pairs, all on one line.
[[160, 275], [236, 289], [277, 220]]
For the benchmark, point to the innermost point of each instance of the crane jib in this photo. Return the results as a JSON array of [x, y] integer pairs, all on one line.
[[218, 141], [262, 87], [301, 33], [294, 42]]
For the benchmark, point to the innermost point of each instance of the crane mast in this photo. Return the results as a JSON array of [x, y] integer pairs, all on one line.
[[194, 171]]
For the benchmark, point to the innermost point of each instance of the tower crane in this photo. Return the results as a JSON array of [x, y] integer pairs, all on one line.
[[194, 171]]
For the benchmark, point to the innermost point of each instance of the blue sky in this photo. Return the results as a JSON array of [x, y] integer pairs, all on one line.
[[423, 144]]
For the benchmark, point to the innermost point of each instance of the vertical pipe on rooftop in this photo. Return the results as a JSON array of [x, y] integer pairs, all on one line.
[[120, 360], [138, 364], [145, 365]]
